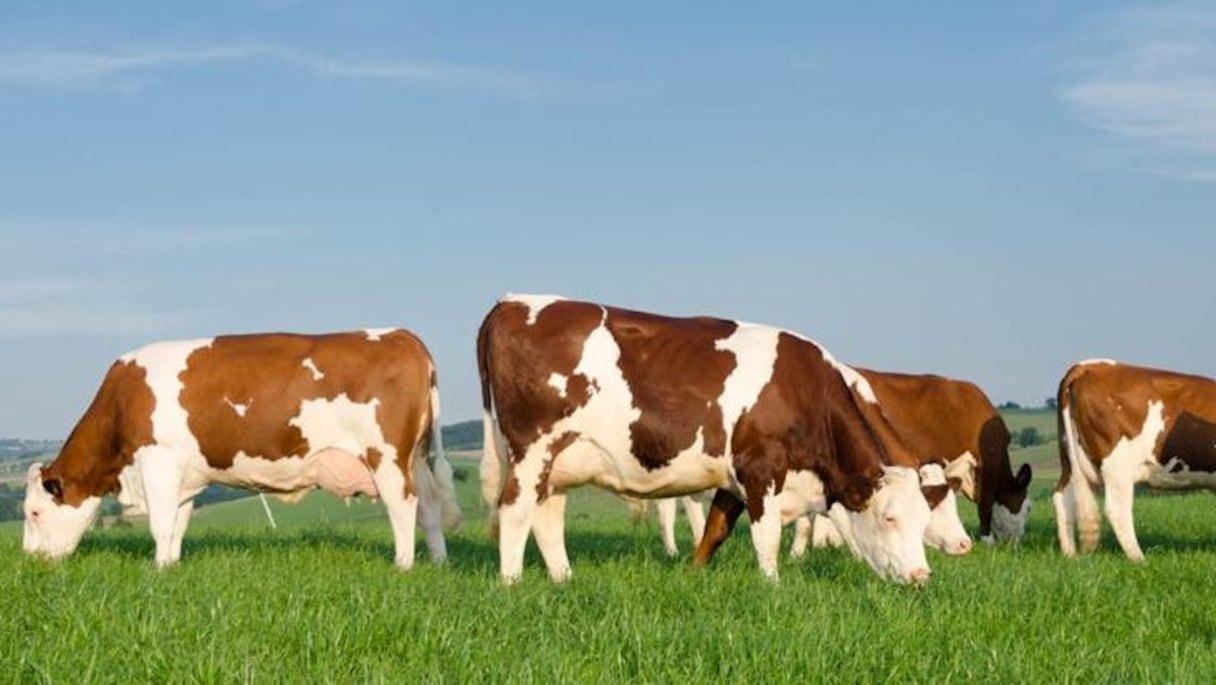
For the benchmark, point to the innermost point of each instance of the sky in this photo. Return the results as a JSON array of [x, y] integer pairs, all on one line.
[[988, 191]]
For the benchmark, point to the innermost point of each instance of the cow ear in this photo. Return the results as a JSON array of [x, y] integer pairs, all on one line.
[[54, 488], [1024, 476], [934, 494], [955, 484]]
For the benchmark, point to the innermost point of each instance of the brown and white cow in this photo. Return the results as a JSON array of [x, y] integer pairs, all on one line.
[[353, 413], [951, 421], [653, 406], [1120, 425]]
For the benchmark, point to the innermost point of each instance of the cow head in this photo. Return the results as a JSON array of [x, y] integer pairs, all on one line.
[[1012, 508], [945, 531], [889, 530], [53, 528]]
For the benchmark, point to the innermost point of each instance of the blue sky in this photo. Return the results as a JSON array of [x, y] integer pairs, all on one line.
[[984, 190]]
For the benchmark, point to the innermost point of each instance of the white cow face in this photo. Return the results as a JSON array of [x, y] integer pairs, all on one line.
[[1010, 525], [889, 533], [945, 531], [53, 529]]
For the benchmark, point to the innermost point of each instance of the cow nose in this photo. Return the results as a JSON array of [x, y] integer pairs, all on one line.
[[919, 576], [964, 546]]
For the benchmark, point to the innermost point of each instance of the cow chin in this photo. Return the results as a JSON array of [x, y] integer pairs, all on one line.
[[946, 531], [1010, 525], [889, 533], [54, 530]]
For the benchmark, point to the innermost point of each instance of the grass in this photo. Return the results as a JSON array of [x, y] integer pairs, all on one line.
[[313, 602]]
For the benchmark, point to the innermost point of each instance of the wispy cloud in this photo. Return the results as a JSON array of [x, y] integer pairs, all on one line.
[[1149, 80], [131, 70]]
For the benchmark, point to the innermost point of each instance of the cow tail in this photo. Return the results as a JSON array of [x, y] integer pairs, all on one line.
[[445, 485], [491, 462], [1066, 432]]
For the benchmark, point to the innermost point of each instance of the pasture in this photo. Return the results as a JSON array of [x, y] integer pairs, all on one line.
[[318, 600]]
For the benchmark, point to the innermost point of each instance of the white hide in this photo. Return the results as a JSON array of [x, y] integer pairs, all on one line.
[[312, 368], [534, 303], [1010, 525], [374, 334], [889, 533], [53, 530], [963, 467], [945, 530]]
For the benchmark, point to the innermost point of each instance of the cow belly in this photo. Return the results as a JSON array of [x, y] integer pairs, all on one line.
[[338, 471], [1176, 474], [584, 462]]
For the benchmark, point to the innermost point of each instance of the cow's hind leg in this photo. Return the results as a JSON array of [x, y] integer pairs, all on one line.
[[179, 528], [723, 513], [1120, 488], [1065, 504], [402, 506], [1089, 518], [696, 518], [802, 536], [549, 527], [430, 510]]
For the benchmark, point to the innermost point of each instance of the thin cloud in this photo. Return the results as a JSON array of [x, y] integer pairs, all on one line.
[[1150, 82], [54, 307], [131, 70]]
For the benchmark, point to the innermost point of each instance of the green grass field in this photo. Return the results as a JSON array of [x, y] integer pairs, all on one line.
[[322, 602]]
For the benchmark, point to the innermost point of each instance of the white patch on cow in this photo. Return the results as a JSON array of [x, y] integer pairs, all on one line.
[[163, 364], [852, 377], [963, 468], [755, 350], [1010, 525], [1087, 362], [1132, 461], [240, 409], [890, 532], [534, 303], [340, 423], [312, 366], [374, 334], [53, 530], [945, 530], [803, 494], [559, 382]]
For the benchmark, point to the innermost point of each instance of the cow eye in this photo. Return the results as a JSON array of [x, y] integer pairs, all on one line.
[[889, 520]]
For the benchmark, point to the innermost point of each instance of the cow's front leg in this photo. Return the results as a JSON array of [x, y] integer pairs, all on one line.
[[430, 510], [765, 513], [802, 536], [179, 529], [1120, 489], [723, 513], [161, 474], [667, 524]]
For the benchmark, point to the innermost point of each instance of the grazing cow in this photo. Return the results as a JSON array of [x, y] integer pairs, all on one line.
[[941, 419], [652, 406], [1120, 425], [353, 413]]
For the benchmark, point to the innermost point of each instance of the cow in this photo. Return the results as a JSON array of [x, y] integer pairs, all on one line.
[[353, 413], [952, 421], [1120, 425], [666, 509], [655, 406]]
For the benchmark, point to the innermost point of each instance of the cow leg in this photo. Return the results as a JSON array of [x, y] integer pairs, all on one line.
[[1089, 519], [723, 513], [549, 527], [179, 529], [667, 524], [1065, 503], [802, 535], [516, 509], [826, 534], [430, 510], [161, 473], [402, 508], [1120, 488], [766, 533], [696, 518]]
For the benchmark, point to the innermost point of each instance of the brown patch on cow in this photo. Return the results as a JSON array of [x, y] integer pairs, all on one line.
[[117, 423], [934, 494], [555, 448], [266, 374], [521, 358], [676, 375], [373, 457], [510, 489], [1193, 442]]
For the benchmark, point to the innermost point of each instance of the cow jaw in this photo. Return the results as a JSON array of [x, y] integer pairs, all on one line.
[[889, 533], [1010, 525], [53, 530], [945, 531]]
